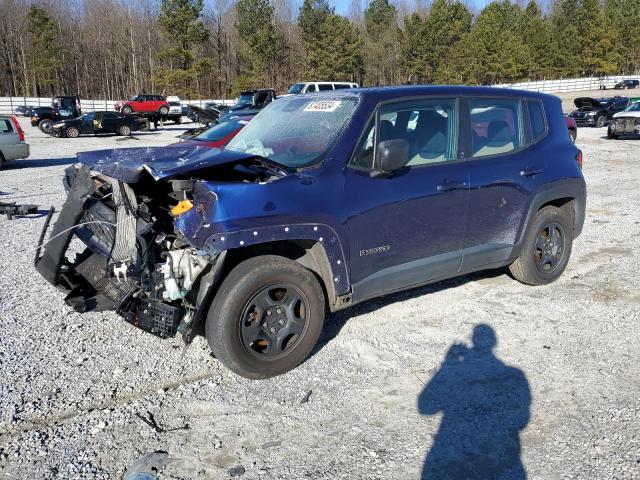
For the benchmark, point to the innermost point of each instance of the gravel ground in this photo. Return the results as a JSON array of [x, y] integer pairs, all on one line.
[[73, 388]]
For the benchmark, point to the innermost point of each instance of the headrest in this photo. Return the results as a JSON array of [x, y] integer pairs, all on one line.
[[498, 130]]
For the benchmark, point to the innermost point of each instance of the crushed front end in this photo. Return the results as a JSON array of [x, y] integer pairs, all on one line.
[[132, 259]]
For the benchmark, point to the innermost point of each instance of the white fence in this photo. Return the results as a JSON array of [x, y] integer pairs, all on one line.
[[8, 104], [570, 84]]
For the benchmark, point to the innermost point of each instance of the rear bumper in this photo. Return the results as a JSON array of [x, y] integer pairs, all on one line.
[[15, 152]]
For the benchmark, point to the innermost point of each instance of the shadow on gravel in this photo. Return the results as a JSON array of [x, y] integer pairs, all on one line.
[[484, 404], [39, 163]]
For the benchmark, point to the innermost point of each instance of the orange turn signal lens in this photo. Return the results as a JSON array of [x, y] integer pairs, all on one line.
[[182, 207]]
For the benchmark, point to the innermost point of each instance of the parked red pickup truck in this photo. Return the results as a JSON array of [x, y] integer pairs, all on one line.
[[143, 103]]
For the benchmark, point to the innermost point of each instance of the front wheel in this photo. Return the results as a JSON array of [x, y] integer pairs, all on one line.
[[611, 134], [600, 121], [266, 317], [163, 110], [124, 130], [546, 249]]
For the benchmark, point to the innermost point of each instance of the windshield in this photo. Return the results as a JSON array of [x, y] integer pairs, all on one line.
[[134, 98], [245, 98], [174, 104], [295, 131], [634, 107], [221, 131], [297, 88]]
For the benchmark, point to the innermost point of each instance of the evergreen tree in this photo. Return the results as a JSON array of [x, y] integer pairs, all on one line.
[[183, 29], [382, 42], [45, 54], [413, 52], [535, 32], [624, 17], [445, 25], [599, 55], [262, 44], [567, 36], [312, 25]]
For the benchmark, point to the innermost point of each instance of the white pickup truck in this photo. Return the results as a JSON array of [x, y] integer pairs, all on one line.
[[12, 144]]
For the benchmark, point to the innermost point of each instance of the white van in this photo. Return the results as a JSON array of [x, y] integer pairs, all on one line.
[[175, 108], [310, 87]]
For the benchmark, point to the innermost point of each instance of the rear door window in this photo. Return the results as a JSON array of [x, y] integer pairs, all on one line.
[[496, 126], [537, 119], [323, 87], [311, 88]]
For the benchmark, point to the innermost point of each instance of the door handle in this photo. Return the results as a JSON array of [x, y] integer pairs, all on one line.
[[530, 172], [450, 185]]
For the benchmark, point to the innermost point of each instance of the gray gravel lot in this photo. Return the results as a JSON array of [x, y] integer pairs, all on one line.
[[72, 387]]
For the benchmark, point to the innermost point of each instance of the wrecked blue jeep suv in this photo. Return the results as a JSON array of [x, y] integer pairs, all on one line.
[[320, 202]]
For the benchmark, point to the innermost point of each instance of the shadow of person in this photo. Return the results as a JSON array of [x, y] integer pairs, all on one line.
[[485, 405]]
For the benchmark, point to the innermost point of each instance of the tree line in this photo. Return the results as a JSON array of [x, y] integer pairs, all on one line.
[[114, 48]]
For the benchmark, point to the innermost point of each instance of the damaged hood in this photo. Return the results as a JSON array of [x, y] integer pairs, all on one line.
[[162, 163], [588, 103]]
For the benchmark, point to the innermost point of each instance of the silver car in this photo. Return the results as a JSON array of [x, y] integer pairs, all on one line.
[[12, 144]]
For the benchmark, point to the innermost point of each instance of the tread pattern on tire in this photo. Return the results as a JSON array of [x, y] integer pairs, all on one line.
[[521, 268], [216, 329]]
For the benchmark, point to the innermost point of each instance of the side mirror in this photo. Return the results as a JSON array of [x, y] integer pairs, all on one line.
[[392, 155]]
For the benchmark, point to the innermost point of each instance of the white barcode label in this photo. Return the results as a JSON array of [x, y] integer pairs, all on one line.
[[323, 106]]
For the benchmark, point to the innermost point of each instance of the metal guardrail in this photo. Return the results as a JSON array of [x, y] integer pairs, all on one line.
[[569, 84], [8, 104]]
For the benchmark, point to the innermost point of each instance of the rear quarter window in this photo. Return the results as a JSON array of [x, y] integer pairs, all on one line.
[[5, 126], [537, 119]]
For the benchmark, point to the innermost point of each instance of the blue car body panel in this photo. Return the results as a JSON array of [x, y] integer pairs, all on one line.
[[380, 234]]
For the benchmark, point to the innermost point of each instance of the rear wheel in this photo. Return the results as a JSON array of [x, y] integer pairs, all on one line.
[[124, 130], [72, 132], [573, 134], [546, 249], [266, 317], [127, 110]]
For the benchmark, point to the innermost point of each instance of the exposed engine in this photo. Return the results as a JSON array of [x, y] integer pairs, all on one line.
[[134, 261]]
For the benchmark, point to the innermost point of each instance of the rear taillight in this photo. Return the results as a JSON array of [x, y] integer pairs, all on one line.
[[18, 128], [579, 159]]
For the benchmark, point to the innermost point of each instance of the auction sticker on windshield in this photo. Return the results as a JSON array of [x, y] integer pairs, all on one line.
[[324, 106]]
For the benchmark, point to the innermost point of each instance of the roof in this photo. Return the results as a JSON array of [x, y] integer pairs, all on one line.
[[395, 91]]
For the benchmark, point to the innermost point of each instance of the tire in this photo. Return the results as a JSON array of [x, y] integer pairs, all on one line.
[[530, 267], [573, 134], [178, 120], [163, 111], [611, 135], [600, 121], [126, 110], [72, 132], [124, 130], [2, 160], [245, 321], [45, 126]]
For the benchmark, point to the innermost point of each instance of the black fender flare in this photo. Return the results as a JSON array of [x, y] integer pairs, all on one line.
[[329, 252], [573, 188]]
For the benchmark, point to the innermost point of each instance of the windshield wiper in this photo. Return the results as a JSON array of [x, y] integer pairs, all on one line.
[[269, 163]]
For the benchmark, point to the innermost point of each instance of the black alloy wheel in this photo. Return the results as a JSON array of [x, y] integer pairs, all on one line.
[[549, 247]]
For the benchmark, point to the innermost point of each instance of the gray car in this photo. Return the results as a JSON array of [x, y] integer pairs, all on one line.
[[12, 144]]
